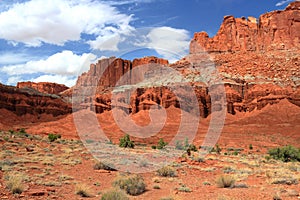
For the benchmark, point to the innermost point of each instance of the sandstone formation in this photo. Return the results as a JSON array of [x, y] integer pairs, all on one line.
[[23, 101], [277, 30], [43, 87], [266, 74], [258, 61]]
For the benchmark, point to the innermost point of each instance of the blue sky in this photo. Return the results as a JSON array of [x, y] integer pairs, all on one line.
[[56, 40]]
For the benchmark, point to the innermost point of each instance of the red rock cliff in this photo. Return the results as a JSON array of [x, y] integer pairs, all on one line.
[[23, 101], [275, 30], [44, 87]]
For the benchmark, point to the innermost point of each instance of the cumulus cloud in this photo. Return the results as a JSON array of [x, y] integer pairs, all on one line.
[[283, 2], [169, 42], [62, 63], [58, 21]]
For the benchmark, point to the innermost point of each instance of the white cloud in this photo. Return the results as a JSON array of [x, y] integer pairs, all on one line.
[[13, 80], [66, 80], [103, 43], [283, 2], [169, 42], [126, 2], [59, 21], [8, 58], [62, 63]]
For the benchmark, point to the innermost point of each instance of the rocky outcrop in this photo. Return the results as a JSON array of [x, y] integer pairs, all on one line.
[[43, 87], [108, 71], [23, 101], [257, 60], [277, 30]]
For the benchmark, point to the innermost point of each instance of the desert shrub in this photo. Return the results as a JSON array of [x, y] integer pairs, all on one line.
[[157, 187], [285, 154], [125, 142], [101, 165], [161, 144], [287, 181], [192, 147], [132, 184], [166, 171], [198, 158], [184, 188], [216, 149], [114, 194], [225, 181], [250, 146], [14, 183], [179, 145], [82, 190], [52, 137]]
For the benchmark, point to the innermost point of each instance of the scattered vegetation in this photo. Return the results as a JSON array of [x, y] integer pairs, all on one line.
[[287, 181], [167, 171], [225, 181], [132, 184], [101, 165], [216, 149], [83, 190], [161, 144], [286, 154], [125, 142], [114, 194], [157, 187], [14, 183], [250, 146], [52, 137], [184, 188]]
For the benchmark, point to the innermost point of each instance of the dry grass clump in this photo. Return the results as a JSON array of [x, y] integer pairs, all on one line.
[[225, 181], [82, 190], [167, 171], [14, 183], [101, 165], [132, 184], [114, 194]]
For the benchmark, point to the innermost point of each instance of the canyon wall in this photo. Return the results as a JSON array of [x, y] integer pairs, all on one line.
[[23, 101], [43, 87], [277, 30]]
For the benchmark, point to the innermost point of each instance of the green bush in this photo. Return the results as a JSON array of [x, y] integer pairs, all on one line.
[[166, 171], [192, 147], [161, 144], [216, 149], [179, 145], [132, 184], [114, 194], [125, 142], [285, 154], [250, 146], [52, 137]]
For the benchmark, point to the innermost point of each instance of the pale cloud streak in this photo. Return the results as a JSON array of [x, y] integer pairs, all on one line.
[[283, 2]]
